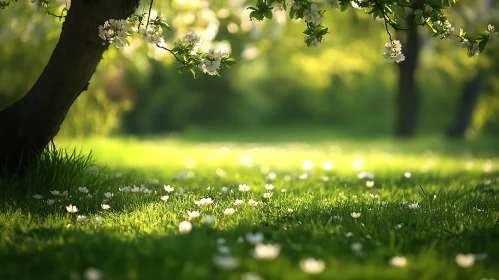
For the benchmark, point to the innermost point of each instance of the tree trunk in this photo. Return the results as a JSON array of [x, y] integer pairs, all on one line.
[[469, 99], [28, 125], [408, 99]]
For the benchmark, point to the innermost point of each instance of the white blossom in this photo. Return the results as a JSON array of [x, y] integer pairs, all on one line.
[[108, 194], [81, 218], [252, 202], [55, 192], [269, 187], [393, 52], [267, 195], [226, 262], [83, 189], [312, 266], [398, 261], [193, 214], [229, 211], [465, 260], [105, 206], [244, 188], [185, 227], [312, 15], [71, 209], [238, 202], [97, 219], [266, 252], [355, 215], [37, 196], [153, 34], [115, 32], [50, 202], [168, 188], [194, 40], [414, 206], [254, 238], [203, 201]]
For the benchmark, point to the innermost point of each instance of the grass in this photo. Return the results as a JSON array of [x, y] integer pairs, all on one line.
[[455, 184]]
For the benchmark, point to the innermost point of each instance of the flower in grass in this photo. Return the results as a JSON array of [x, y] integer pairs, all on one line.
[[414, 206], [125, 189], [55, 192], [83, 189], [97, 219], [50, 202], [252, 202], [209, 220], [92, 274], [146, 191], [369, 184], [105, 206], [283, 190], [373, 196], [225, 189], [37, 196], [164, 198], [303, 176], [267, 195], [64, 193], [266, 252], [465, 260], [254, 238], [81, 218], [193, 214], [108, 194], [185, 227], [290, 210], [226, 262], [269, 187], [398, 261], [229, 211], [168, 188], [71, 209], [348, 234], [407, 175], [243, 188], [203, 201], [355, 215], [238, 202], [222, 249], [135, 189], [356, 247], [312, 266]]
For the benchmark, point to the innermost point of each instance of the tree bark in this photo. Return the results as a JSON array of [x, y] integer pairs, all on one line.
[[469, 99], [408, 100], [28, 125]]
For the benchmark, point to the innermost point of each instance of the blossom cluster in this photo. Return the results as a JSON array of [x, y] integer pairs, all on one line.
[[116, 32], [445, 28], [393, 52]]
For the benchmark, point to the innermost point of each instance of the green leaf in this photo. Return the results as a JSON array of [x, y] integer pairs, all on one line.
[[268, 14], [483, 43], [257, 15]]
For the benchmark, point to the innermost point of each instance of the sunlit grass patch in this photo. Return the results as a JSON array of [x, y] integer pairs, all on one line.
[[186, 210]]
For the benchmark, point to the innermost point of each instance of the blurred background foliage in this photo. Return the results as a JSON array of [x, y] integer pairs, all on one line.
[[346, 84]]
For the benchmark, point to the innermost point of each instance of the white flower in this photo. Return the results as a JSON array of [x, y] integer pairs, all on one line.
[[191, 38], [414, 206], [225, 189], [356, 247], [226, 262], [55, 192], [267, 195], [373, 196], [193, 214], [312, 266], [83, 189], [146, 190], [209, 220], [50, 202], [105, 206], [125, 189], [64, 193], [108, 194], [364, 174], [229, 211], [223, 249], [168, 188], [97, 219], [185, 227], [244, 188], [303, 176], [164, 198], [398, 261], [71, 209], [153, 34], [355, 215], [203, 201], [81, 218], [407, 175], [115, 32], [290, 210], [312, 15], [474, 50], [399, 226], [369, 184], [254, 238], [269, 187], [444, 28], [465, 260], [238, 202], [92, 274], [283, 190], [252, 202], [37, 196], [393, 52], [266, 252], [348, 234]]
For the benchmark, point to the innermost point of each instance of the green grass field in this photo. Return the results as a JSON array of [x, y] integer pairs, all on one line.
[[441, 221]]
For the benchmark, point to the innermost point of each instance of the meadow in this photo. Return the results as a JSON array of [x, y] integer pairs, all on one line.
[[257, 204]]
